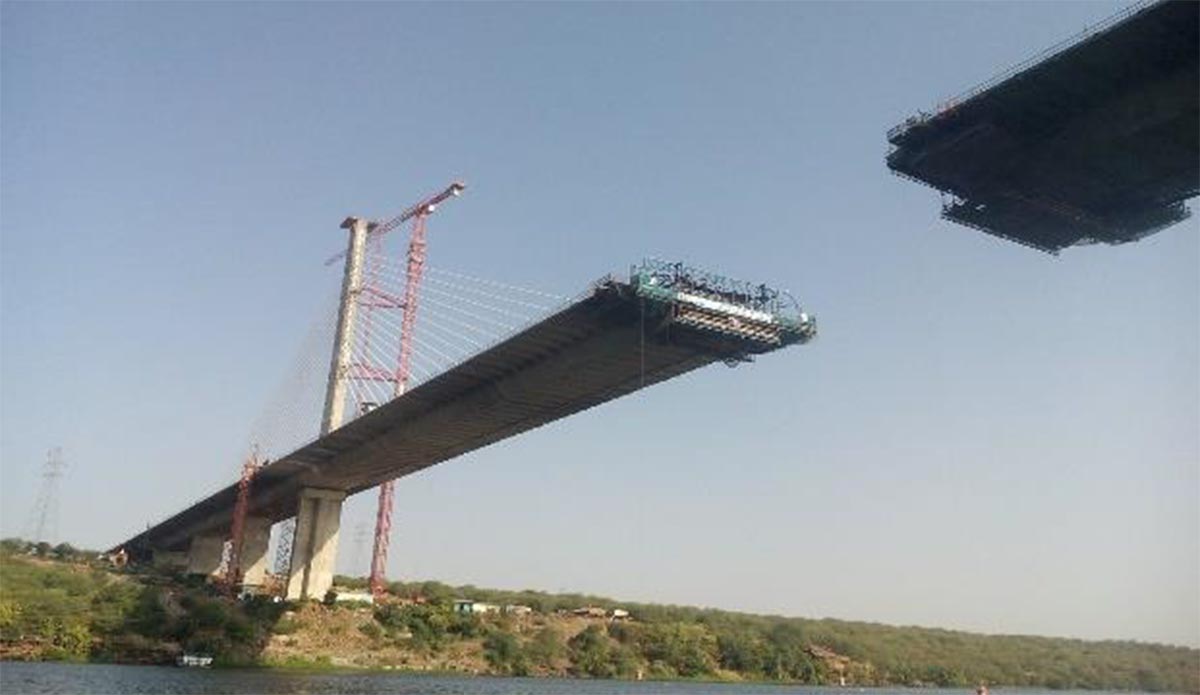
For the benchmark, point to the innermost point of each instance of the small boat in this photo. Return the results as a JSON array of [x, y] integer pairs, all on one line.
[[194, 660]]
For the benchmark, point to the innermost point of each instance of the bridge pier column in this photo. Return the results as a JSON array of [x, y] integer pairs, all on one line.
[[256, 536], [204, 554], [314, 547]]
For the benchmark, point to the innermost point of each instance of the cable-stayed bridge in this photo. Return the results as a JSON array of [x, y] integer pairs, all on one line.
[[489, 361]]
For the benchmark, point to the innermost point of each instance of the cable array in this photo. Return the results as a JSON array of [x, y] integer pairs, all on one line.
[[459, 316], [291, 416]]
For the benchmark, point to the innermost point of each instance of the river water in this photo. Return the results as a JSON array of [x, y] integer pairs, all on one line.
[[102, 679]]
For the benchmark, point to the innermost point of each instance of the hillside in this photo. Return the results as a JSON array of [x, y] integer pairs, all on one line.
[[71, 609]]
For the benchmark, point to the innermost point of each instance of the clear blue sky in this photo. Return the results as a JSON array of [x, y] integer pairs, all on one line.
[[983, 437]]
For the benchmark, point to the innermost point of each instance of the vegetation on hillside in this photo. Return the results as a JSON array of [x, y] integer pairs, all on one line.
[[681, 641], [59, 603]]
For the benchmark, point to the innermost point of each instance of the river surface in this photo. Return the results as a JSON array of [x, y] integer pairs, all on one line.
[[102, 679]]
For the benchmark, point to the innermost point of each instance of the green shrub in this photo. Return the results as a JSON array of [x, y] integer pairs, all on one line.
[[503, 652], [239, 630], [286, 626], [591, 653], [371, 630], [467, 625], [546, 648]]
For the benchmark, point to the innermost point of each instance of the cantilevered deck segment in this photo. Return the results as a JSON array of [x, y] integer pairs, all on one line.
[[1098, 141], [666, 321]]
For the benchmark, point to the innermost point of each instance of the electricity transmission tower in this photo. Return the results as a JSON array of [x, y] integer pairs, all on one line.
[[43, 525]]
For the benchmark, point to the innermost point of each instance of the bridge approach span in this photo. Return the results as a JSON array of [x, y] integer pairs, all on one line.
[[621, 337]]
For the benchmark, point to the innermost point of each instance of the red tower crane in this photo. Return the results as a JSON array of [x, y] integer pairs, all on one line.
[[412, 284], [237, 532]]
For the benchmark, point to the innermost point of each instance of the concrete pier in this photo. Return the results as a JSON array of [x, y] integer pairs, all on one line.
[[314, 548], [256, 537], [204, 554]]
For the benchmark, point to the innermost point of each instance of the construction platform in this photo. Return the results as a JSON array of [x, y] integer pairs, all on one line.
[[622, 336], [1095, 140]]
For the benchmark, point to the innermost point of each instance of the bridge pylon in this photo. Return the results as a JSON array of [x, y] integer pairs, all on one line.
[[314, 535]]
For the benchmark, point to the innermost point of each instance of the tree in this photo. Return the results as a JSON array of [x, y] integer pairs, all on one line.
[[466, 625], [590, 653], [74, 638], [503, 652], [546, 648], [743, 652], [436, 592], [14, 545], [689, 649], [10, 616], [427, 624]]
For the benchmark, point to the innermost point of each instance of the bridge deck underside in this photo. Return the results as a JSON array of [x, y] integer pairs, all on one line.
[[1100, 142], [595, 350]]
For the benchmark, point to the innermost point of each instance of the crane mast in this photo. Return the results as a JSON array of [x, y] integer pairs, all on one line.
[[237, 533], [414, 271]]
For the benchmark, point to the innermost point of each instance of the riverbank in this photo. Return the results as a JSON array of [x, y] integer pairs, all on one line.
[[52, 609]]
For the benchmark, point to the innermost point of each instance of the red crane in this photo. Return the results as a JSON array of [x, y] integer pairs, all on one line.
[[237, 532], [412, 284]]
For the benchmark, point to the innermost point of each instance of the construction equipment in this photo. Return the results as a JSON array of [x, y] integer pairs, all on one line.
[[414, 272], [237, 533], [423, 208]]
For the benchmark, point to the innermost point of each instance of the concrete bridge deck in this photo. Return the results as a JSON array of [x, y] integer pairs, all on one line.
[[618, 339], [1098, 142]]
